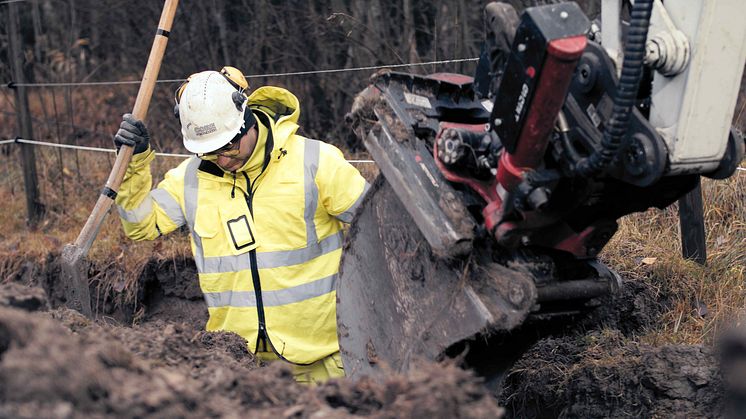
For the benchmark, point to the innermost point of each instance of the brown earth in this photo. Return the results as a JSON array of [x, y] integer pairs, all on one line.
[[595, 370], [59, 364], [597, 376], [146, 355]]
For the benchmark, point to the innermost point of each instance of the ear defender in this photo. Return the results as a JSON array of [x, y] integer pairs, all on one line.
[[238, 99], [177, 96], [235, 77]]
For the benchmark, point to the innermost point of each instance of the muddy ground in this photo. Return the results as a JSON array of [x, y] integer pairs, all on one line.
[[56, 363], [593, 368]]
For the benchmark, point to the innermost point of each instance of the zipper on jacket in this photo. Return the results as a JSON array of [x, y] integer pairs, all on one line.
[[262, 338]]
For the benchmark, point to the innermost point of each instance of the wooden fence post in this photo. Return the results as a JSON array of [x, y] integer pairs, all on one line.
[[34, 207], [692, 225]]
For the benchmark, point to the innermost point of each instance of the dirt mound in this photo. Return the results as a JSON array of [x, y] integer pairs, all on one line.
[[430, 391], [594, 370], [595, 376], [23, 297], [60, 364], [636, 307], [48, 372]]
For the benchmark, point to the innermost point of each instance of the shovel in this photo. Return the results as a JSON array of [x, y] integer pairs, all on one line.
[[74, 268]]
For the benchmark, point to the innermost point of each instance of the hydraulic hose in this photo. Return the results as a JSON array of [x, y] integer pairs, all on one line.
[[629, 82]]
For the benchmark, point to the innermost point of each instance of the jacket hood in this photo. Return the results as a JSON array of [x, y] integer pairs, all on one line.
[[283, 111]]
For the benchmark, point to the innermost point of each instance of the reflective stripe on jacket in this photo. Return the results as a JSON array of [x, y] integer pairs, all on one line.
[[267, 241]]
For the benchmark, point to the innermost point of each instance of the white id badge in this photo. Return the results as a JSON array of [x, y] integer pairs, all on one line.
[[241, 232]]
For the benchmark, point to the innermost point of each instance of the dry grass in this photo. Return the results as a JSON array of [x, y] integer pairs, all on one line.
[[700, 299], [66, 213]]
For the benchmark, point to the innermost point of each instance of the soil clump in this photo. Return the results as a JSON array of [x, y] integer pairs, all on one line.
[[148, 355], [60, 364], [594, 370]]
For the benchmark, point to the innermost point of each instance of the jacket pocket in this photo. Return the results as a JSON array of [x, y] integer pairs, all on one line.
[[207, 224]]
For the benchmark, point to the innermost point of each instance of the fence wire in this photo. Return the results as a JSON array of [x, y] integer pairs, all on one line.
[[250, 76], [111, 150], [108, 150]]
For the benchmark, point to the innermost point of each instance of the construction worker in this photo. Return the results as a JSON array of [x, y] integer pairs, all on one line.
[[265, 208]]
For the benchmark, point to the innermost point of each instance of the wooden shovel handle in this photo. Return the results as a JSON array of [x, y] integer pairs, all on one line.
[[106, 199]]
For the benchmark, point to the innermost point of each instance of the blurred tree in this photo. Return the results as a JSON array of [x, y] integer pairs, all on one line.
[[96, 40]]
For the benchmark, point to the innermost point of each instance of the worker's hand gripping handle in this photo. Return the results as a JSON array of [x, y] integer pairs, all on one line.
[[109, 193]]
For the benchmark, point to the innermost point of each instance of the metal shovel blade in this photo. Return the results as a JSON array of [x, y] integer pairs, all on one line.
[[75, 280]]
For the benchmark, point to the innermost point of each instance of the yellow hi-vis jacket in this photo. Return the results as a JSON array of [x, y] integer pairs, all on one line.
[[266, 239]]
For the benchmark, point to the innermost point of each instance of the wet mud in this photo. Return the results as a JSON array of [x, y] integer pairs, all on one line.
[[149, 357], [146, 355], [592, 369]]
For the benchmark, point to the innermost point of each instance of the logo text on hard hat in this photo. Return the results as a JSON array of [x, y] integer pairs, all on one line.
[[205, 129]]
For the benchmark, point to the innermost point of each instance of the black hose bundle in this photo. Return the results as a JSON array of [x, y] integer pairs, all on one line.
[[629, 82]]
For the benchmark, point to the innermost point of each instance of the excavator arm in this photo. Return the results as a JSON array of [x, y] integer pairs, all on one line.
[[496, 196]]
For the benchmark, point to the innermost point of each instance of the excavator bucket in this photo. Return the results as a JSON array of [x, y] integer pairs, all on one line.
[[412, 283], [420, 278], [398, 303], [493, 202]]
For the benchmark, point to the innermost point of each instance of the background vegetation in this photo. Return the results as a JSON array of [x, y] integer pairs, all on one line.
[[90, 40]]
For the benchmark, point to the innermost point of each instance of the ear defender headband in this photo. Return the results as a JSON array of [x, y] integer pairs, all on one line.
[[177, 95], [236, 79]]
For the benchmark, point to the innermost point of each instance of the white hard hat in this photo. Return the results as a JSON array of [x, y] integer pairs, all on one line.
[[210, 117]]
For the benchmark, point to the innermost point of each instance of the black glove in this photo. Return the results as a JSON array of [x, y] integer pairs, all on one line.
[[133, 133]]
